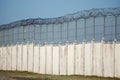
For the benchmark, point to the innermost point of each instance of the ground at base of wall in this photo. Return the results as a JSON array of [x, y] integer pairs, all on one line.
[[18, 75]]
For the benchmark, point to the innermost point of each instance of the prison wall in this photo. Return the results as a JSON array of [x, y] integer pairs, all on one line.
[[99, 59]]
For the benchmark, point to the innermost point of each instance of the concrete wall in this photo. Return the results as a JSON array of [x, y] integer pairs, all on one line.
[[100, 59]]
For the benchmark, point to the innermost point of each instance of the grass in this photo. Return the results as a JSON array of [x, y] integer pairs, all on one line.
[[24, 75]]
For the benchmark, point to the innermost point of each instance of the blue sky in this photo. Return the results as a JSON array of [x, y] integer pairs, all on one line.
[[13, 10]]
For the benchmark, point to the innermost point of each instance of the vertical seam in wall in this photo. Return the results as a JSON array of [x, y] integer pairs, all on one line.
[[92, 57], [83, 58], [74, 58], [52, 59], [2, 58], [11, 57], [59, 59], [45, 56], [22, 56], [38, 58], [16, 57], [114, 61], [27, 56], [33, 58], [6, 57], [67, 59], [91, 49]]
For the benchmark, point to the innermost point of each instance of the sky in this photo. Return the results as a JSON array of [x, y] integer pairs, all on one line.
[[14, 10]]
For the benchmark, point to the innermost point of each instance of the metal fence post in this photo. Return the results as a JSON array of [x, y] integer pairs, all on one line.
[[115, 28], [84, 29], [93, 28], [104, 27]]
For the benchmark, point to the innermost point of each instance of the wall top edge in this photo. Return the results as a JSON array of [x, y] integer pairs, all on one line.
[[95, 12]]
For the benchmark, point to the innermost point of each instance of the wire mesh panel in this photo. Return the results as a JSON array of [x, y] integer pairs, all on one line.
[[109, 28], [32, 32], [6, 37], [71, 31], [26, 34], [20, 34], [15, 35], [43, 33], [11, 36], [80, 30], [64, 32], [50, 33], [89, 29], [118, 28], [57, 33], [99, 26]]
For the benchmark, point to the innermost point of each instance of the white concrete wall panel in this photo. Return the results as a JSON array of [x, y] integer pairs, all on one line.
[[10, 51], [19, 59], [108, 53], [117, 60], [63, 60], [30, 58], [97, 60], [24, 62], [100, 59], [6, 54], [88, 59], [1, 58], [70, 59], [14, 58], [8, 58], [79, 60], [4, 58], [55, 60], [42, 59], [49, 60], [1, 65], [36, 58]]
